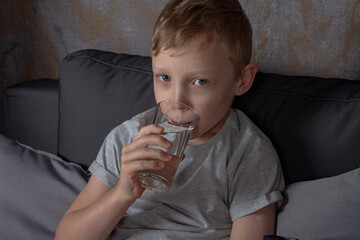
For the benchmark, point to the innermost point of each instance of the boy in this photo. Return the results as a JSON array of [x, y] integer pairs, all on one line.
[[230, 180]]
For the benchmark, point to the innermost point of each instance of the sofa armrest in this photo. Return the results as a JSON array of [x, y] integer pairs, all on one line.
[[31, 113]]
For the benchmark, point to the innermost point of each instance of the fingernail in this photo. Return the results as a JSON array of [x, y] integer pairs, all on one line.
[[167, 143]]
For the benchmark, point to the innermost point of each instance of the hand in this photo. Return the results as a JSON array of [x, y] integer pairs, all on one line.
[[138, 157]]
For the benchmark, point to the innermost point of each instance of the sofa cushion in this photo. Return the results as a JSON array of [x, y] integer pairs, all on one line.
[[98, 91], [326, 208], [36, 190], [314, 123], [31, 113]]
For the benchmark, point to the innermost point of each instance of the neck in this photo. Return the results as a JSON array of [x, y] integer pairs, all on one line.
[[209, 134]]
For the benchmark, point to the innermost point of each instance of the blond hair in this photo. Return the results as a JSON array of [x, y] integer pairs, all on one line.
[[222, 20]]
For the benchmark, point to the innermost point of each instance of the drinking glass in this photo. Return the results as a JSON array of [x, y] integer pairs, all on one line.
[[178, 120]]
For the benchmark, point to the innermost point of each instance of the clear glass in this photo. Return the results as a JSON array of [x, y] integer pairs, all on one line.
[[178, 120]]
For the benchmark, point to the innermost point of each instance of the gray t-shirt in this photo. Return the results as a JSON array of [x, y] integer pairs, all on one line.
[[233, 174]]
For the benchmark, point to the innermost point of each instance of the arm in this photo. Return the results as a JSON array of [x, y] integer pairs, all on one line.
[[97, 209], [255, 225]]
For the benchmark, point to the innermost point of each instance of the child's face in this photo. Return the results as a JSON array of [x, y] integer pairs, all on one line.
[[202, 78]]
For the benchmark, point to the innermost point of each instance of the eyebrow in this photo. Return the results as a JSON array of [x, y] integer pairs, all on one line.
[[200, 71], [157, 68]]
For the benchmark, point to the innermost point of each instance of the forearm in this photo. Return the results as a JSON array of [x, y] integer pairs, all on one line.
[[255, 225], [95, 221], [97, 209]]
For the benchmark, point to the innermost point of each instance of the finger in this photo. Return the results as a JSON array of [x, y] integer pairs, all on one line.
[[148, 140], [140, 165], [146, 154], [150, 129]]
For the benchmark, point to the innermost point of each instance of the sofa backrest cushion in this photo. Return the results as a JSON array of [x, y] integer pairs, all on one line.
[[31, 113], [98, 91], [314, 123]]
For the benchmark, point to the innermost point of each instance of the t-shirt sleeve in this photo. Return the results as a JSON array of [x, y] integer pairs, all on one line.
[[256, 180], [106, 166]]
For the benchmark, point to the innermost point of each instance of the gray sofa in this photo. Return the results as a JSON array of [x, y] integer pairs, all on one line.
[[54, 128]]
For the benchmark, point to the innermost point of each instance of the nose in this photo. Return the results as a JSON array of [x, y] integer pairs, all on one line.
[[179, 94]]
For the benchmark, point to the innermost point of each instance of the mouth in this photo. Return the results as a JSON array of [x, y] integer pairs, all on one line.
[[181, 124]]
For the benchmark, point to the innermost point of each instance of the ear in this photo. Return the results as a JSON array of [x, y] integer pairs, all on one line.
[[246, 79]]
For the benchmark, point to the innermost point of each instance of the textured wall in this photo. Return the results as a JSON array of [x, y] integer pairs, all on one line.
[[307, 37], [37, 34], [297, 37]]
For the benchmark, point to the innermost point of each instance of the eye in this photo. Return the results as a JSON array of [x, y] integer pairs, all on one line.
[[164, 78], [201, 82]]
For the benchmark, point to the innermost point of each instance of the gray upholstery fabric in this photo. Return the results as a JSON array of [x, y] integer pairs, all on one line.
[[36, 190], [327, 208], [98, 91], [312, 122], [31, 113]]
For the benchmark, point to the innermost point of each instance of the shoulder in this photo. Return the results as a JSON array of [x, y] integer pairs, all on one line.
[[127, 131], [242, 122], [242, 126], [249, 143]]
